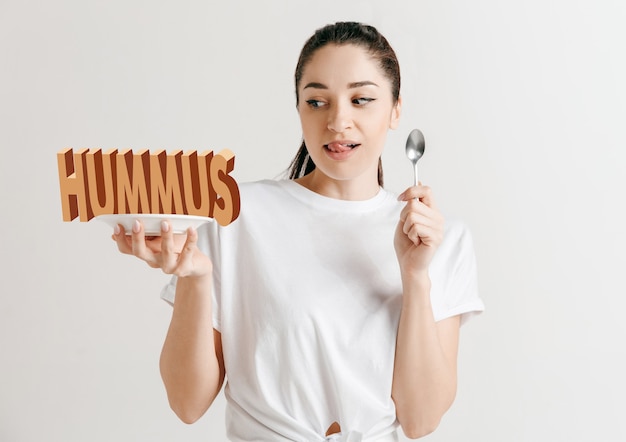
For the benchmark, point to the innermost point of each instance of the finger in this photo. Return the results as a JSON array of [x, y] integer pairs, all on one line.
[[422, 193], [138, 243], [418, 192], [169, 257], [122, 240], [417, 219], [414, 231], [420, 234], [414, 236], [186, 258], [418, 207], [431, 235]]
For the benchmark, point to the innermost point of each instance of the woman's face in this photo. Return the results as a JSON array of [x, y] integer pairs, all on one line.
[[346, 108]]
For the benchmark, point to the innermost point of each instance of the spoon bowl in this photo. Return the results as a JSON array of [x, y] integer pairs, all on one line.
[[415, 146]]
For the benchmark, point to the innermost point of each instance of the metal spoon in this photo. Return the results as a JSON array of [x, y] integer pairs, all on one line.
[[415, 146]]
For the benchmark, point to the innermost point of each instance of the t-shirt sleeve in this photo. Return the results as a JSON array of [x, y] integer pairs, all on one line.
[[209, 244], [456, 284]]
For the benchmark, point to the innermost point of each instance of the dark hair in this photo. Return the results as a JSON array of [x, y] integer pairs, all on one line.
[[344, 33]]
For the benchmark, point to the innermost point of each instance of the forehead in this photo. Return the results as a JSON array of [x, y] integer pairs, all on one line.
[[334, 64]]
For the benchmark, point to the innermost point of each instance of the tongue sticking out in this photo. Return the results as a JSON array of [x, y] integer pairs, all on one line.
[[338, 147]]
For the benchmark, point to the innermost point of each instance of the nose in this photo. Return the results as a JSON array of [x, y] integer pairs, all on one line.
[[339, 118]]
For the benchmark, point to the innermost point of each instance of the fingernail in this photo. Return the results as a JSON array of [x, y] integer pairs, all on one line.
[[116, 229], [165, 227], [136, 226]]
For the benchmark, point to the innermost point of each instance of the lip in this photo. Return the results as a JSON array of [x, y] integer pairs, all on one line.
[[340, 149], [342, 142]]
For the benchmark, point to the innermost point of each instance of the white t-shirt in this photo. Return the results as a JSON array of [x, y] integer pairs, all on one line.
[[307, 296]]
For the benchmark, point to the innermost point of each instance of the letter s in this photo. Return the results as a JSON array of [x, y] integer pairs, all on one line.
[[227, 205]]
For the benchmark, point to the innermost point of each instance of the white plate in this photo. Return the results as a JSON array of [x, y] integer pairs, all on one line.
[[152, 221]]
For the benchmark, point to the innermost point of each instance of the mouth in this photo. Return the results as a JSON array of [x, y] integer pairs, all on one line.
[[340, 146]]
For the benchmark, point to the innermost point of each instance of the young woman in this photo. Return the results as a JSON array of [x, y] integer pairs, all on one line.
[[332, 306]]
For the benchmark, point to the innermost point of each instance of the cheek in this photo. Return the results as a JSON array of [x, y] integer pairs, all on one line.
[[308, 130], [307, 119], [313, 130], [380, 125]]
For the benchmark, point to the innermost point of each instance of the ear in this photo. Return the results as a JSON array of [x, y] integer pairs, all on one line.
[[395, 114]]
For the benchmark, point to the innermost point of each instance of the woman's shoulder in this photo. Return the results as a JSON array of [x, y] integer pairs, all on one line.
[[263, 185], [457, 238], [455, 226], [251, 191], [262, 195]]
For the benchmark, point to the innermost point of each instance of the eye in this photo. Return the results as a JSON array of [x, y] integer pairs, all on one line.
[[315, 104], [362, 101]]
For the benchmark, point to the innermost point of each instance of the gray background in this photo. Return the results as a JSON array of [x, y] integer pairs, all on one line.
[[523, 106]]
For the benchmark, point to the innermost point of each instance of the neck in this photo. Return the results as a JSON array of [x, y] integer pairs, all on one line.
[[357, 189]]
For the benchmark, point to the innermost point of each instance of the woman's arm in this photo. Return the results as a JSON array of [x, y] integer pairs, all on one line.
[[192, 365], [424, 381]]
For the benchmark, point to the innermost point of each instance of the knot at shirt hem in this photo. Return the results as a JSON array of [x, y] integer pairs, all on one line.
[[352, 436], [355, 436]]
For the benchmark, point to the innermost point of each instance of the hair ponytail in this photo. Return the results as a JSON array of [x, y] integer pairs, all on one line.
[[302, 164]]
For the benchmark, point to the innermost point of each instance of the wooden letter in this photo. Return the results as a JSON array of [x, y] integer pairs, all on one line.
[[101, 177], [73, 183], [132, 182], [226, 208], [199, 195], [166, 182]]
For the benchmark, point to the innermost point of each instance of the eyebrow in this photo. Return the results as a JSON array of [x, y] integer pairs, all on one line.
[[354, 85]]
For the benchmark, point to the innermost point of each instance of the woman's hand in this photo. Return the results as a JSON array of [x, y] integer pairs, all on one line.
[[175, 254], [419, 231]]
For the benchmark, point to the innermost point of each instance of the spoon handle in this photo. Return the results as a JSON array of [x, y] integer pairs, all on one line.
[[415, 180]]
